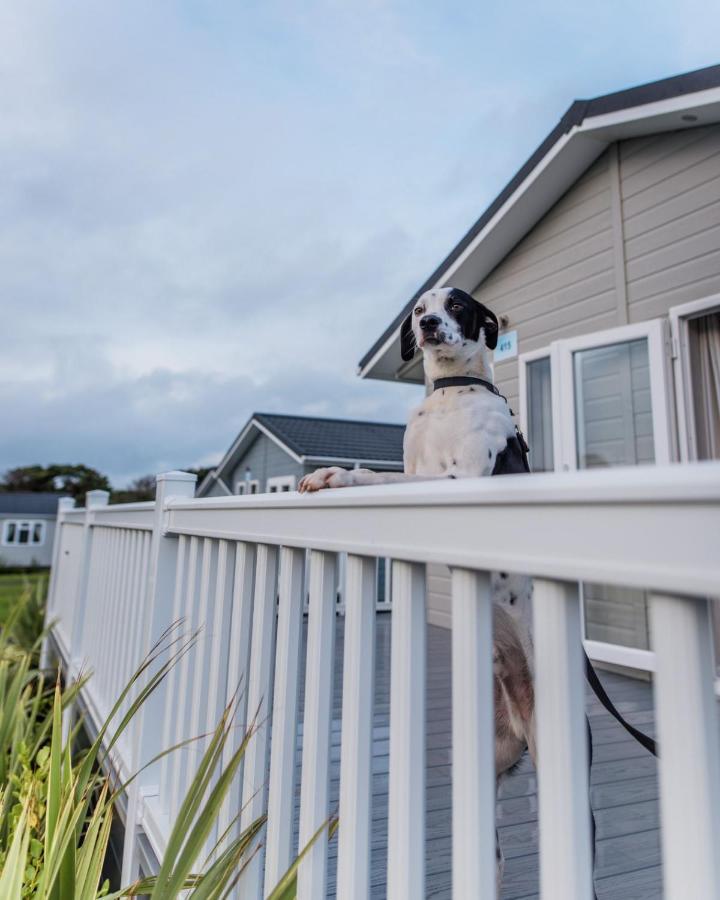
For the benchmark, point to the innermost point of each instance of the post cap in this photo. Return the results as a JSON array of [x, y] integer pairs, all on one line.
[[177, 476], [96, 498]]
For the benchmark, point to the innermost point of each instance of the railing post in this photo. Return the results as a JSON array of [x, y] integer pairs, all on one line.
[[93, 500], [156, 618], [689, 763], [64, 505]]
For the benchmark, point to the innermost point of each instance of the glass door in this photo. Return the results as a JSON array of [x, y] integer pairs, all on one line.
[[594, 401]]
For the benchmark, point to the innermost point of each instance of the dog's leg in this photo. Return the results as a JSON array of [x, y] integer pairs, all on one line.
[[335, 477]]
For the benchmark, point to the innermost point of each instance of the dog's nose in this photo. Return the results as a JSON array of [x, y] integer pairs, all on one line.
[[428, 323]]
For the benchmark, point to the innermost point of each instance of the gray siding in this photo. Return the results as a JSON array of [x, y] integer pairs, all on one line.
[[558, 281], [266, 460], [670, 186], [28, 555], [638, 233]]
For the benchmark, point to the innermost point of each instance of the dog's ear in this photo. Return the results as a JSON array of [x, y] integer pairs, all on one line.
[[408, 344], [489, 324]]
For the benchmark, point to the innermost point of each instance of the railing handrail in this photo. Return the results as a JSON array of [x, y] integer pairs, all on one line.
[[609, 526], [651, 484]]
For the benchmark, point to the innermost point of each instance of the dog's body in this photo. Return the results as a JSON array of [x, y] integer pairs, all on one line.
[[465, 431]]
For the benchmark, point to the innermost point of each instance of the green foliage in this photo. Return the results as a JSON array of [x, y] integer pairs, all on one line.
[[57, 803], [62, 478], [138, 490]]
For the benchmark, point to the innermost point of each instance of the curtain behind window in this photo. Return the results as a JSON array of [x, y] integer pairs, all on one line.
[[704, 335]]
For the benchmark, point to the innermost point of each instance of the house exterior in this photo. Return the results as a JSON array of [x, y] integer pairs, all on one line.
[[27, 528], [273, 452], [601, 258]]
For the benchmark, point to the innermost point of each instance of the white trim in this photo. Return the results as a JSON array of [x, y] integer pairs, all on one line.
[[618, 655], [523, 360], [245, 483], [19, 523], [279, 483], [583, 144], [679, 318], [653, 331], [252, 423], [353, 461]]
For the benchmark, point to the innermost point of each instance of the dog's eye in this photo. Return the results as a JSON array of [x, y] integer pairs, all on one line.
[[418, 310], [456, 307]]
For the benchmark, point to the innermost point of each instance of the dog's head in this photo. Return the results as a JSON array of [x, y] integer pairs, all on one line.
[[444, 322]]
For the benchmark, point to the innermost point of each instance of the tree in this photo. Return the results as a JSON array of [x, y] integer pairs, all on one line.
[[59, 478], [140, 489]]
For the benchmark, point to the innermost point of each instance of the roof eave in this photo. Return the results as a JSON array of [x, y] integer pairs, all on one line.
[[571, 147]]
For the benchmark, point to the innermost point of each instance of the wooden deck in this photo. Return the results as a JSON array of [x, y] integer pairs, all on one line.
[[624, 787]]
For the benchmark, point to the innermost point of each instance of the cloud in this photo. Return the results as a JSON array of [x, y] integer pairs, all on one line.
[[211, 208]]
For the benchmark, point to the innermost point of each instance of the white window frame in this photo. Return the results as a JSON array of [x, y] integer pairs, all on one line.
[[656, 332], [276, 484], [549, 351], [19, 523], [680, 316], [243, 486]]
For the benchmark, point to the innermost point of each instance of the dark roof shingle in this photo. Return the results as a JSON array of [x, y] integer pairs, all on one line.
[[336, 438], [28, 503]]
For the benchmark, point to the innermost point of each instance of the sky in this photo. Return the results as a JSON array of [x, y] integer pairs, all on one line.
[[214, 208]]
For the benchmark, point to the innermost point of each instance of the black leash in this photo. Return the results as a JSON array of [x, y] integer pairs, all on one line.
[[522, 450], [647, 742]]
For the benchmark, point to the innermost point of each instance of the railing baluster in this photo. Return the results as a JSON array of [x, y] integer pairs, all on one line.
[[259, 701], [182, 705], [281, 794], [167, 764], [689, 761], [563, 790], [199, 701], [353, 874], [220, 634], [406, 800], [473, 736], [238, 668], [317, 719]]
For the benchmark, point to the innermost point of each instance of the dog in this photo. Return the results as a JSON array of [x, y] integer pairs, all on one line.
[[465, 429]]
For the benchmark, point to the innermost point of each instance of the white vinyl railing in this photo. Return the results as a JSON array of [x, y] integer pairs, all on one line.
[[235, 566]]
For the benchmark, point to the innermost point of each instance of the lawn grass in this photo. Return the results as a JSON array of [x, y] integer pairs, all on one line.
[[14, 585]]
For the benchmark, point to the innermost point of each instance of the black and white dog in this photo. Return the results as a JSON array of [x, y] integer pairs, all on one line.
[[464, 428]]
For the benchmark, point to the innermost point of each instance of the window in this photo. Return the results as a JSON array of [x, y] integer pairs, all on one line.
[[247, 487], [539, 414], [23, 532], [280, 484], [613, 413], [696, 337]]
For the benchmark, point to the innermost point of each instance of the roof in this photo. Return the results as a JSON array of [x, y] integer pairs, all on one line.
[[581, 135], [336, 438], [28, 503], [311, 439]]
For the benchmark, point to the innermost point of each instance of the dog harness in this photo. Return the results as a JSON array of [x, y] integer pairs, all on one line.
[[514, 460]]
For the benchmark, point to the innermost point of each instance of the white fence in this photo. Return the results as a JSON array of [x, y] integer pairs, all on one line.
[[235, 565]]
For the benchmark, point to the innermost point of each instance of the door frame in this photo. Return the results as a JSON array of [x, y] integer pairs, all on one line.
[[560, 352], [680, 316]]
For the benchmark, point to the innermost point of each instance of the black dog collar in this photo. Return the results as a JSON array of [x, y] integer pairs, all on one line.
[[462, 381]]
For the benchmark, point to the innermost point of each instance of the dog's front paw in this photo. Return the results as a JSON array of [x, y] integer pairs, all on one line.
[[332, 477]]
